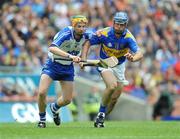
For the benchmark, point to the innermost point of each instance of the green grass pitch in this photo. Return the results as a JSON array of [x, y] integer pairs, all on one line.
[[85, 130]]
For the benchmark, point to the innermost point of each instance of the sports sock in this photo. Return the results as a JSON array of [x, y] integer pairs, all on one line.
[[55, 106], [102, 108], [42, 116]]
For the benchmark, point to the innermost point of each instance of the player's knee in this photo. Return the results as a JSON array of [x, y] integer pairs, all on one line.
[[67, 101], [114, 100], [112, 86], [42, 93]]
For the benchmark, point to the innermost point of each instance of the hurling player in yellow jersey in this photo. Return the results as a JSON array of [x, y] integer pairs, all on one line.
[[119, 42]]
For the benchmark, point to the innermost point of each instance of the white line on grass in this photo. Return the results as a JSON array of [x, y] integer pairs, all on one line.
[[123, 137]]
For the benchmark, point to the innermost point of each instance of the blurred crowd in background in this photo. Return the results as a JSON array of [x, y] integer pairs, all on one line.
[[28, 26]]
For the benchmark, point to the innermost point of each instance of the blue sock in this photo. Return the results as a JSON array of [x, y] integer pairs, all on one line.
[[42, 116], [102, 108], [56, 106]]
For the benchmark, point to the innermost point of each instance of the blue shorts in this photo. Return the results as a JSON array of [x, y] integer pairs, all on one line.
[[58, 71]]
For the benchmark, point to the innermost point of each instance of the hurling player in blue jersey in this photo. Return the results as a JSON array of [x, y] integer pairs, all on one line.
[[67, 43], [119, 42]]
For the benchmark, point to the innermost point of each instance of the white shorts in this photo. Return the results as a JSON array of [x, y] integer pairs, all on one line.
[[118, 71]]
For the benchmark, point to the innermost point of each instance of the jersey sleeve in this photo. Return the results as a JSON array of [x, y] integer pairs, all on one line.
[[91, 36], [94, 40], [133, 46], [104, 34], [60, 37]]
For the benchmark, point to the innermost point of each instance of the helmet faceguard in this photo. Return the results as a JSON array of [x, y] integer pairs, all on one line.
[[121, 18]]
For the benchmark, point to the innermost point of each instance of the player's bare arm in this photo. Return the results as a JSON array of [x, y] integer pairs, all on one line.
[[85, 50], [134, 57], [55, 50]]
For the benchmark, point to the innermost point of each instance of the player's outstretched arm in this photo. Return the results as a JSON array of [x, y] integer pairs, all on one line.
[[85, 50], [134, 57], [59, 52], [84, 53]]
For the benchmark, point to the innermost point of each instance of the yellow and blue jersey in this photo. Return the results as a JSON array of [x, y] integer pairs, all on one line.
[[113, 46]]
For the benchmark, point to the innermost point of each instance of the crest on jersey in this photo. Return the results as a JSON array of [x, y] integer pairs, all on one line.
[[109, 44]]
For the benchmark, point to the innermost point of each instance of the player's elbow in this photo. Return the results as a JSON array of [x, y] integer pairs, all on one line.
[[138, 56], [52, 49]]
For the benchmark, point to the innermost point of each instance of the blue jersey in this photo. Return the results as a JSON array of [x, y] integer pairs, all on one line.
[[64, 40], [113, 46]]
